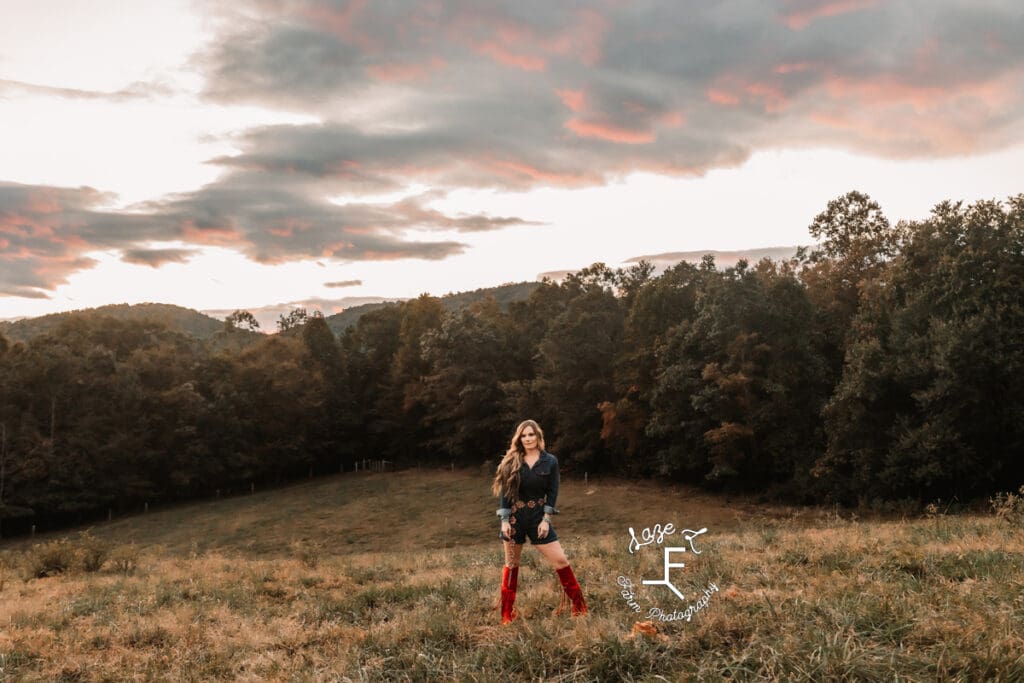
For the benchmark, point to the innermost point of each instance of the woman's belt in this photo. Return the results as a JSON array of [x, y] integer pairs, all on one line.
[[535, 503]]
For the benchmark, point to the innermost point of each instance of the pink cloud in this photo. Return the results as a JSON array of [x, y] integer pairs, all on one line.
[[399, 71], [213, 235], [611, 133], [371, 255], [801, 13], [722, 97], [732, 90], [582, 40], [517, 60], [575, 100], [793, 67], [518, 171], [901, 137], [673, 119], [891, 90], [288, 227], [522, 46], [337, 248], [340, 22]]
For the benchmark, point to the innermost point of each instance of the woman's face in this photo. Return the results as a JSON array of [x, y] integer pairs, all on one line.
[[528, 438]]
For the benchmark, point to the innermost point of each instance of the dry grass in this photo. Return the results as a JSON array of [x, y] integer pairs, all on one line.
[[292, 585]]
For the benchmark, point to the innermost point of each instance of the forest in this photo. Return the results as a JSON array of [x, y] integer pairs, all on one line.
[[883, 364]]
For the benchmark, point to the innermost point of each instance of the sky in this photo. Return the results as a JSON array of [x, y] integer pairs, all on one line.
[[271, 154]]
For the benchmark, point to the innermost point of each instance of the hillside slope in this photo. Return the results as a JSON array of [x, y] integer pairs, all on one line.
[[176, 318], [346, 513], [503, 294], [395, 577]]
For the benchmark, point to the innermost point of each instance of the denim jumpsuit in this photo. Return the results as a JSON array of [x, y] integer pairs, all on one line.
[[538, 491]]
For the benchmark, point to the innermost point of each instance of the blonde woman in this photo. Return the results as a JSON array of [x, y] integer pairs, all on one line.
[[527, 484]]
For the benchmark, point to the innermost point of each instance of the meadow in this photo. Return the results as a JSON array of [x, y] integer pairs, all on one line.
[[394, 577]]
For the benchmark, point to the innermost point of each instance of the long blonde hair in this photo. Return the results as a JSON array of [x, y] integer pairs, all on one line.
[[506, 478]]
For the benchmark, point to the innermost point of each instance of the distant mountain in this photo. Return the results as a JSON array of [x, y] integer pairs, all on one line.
[[503, 294], [723, 259], [176, 318], [201, 326], [267, 316], [339, 322]]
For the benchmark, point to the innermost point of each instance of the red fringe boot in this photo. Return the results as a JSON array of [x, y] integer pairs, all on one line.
[[572, 589], [509, 583]]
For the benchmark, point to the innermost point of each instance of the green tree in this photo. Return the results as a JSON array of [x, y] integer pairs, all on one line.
[[401, 406], [576, 364], [740, 386], [369, 348], [242, 320], [296, 318], [469, 360], [929, 401], [655, 305], [856, 241]]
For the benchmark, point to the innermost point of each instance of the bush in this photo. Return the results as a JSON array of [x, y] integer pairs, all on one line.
[[1009, 507], [307, 552], [91, 552], [125, 558], [49, 559], [5, 566]]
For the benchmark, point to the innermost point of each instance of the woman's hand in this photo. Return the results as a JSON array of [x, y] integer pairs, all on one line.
[[543, 528], [506, 530]]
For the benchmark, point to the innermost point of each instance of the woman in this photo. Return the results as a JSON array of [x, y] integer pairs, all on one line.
[[527, 484]]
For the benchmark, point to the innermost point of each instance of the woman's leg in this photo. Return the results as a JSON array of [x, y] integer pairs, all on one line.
[[554, 554], [510, 581]]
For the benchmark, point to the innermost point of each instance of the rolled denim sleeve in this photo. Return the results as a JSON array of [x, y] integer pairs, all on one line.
[[504, 508], [552, 494]]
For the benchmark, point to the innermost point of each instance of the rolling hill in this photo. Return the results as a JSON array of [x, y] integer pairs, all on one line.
[[176, 318], [395, 576]]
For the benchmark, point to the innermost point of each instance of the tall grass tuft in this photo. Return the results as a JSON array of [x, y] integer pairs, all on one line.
[[1009, 507], [50, 558]]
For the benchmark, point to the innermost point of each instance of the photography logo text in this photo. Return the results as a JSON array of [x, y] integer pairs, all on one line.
[[672, 597]]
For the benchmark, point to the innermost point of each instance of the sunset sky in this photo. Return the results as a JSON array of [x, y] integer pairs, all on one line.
[[263, 155]]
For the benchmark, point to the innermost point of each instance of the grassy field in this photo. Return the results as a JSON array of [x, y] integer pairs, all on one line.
[[395, 577]]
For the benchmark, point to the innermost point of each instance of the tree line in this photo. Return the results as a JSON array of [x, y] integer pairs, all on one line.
[[883, 364]]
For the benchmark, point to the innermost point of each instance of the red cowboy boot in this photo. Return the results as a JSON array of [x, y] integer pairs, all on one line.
[[509, 583], [572, 588]]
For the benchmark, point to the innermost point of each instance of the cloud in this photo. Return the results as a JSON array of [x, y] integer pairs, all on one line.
[[512, 96], [798, 14], [556, 275], [344, 283], [526, 94], [140, 90], [46, 233], [157, 257], [723, 259]]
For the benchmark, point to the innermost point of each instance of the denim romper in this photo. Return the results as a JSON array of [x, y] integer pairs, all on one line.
[[538, 491]]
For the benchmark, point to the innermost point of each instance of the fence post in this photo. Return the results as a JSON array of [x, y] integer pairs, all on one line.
[[145, 506], [252, 487]]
